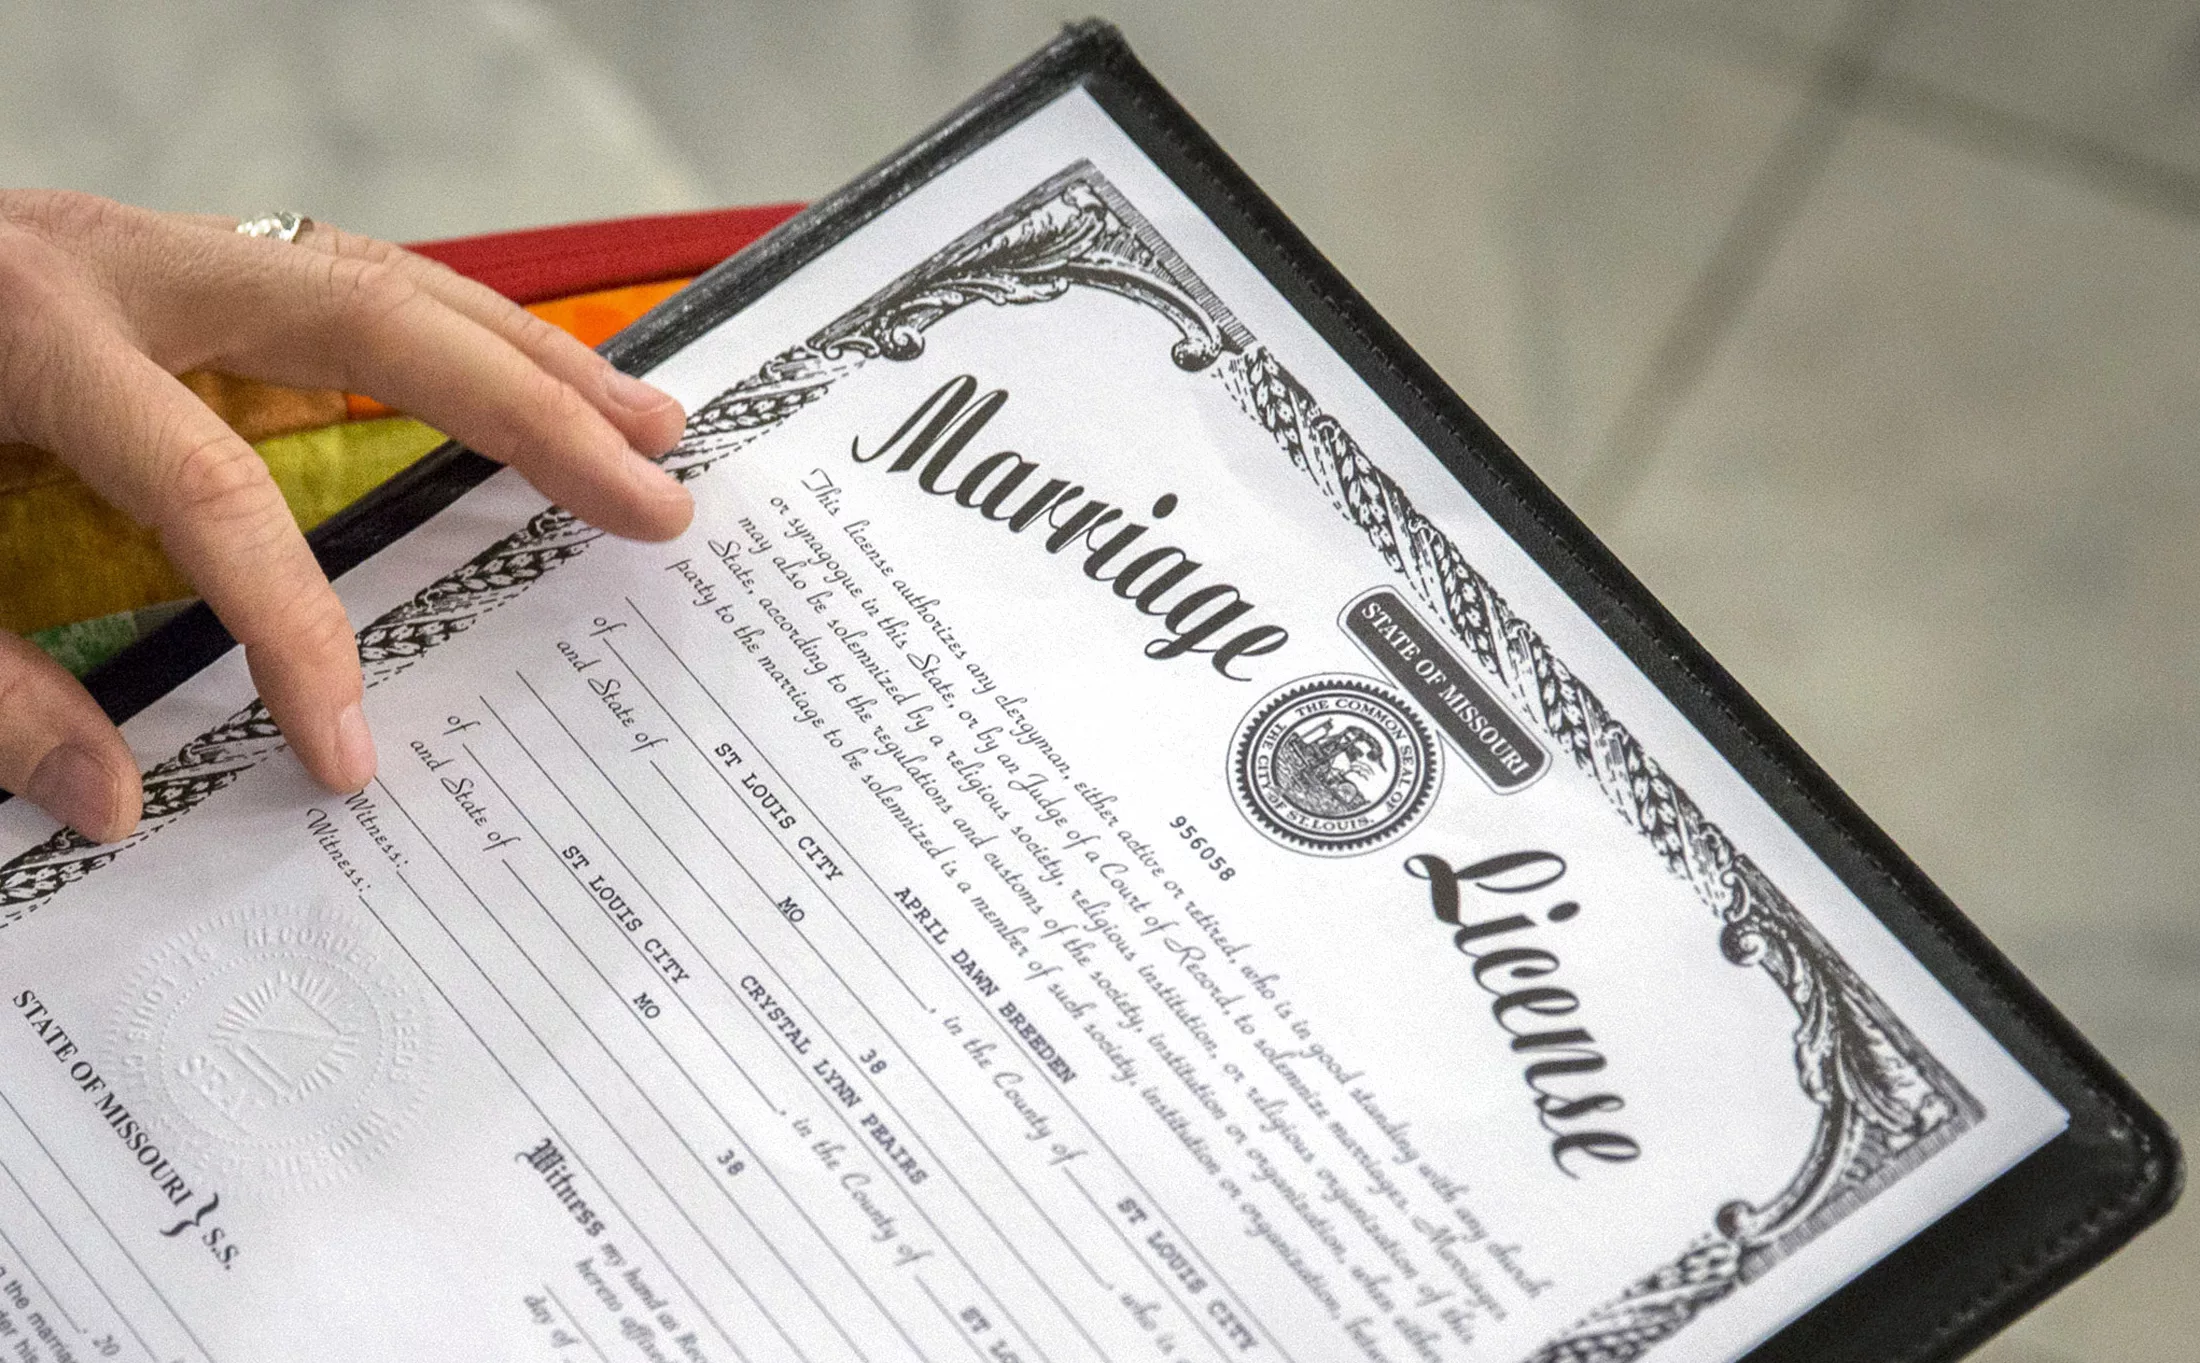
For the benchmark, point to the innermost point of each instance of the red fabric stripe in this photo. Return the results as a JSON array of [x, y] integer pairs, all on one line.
[[555, 262]]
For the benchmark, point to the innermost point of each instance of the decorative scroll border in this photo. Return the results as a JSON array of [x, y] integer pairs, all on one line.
[[1885, 1103]]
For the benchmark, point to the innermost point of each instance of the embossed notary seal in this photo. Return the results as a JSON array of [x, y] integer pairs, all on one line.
[[276, 1044], [1334, 765]]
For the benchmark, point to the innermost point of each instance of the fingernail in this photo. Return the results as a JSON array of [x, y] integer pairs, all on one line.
[[354, 748], [75, 787], [631, 393], [657, 483]]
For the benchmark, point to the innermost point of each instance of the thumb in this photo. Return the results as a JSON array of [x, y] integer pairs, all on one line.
[[58, 750]]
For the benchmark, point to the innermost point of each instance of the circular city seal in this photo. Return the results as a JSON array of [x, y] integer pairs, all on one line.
[[1334, 765], [274, 1044]]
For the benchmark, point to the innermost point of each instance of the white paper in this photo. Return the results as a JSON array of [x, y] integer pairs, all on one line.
[[845, 933]]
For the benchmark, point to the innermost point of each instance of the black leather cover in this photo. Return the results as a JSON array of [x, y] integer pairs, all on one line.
[[2112, 1173]]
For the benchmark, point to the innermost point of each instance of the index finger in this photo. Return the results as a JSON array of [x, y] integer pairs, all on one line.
[[300, 316], [649, 418]]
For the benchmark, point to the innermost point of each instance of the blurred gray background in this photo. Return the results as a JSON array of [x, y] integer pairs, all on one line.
[[1867, 332]]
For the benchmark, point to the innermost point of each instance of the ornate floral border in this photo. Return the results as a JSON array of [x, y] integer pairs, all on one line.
[[1885, 1103]]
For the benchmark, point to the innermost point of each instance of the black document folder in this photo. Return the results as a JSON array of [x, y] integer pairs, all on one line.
[[1507, 717]]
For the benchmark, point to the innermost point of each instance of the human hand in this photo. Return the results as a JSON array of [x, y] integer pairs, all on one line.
[[101, 305]]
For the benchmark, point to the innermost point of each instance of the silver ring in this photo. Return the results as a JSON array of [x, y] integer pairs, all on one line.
[[281, 226]]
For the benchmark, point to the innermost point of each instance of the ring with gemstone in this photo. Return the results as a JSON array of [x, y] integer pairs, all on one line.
[[281, 226]]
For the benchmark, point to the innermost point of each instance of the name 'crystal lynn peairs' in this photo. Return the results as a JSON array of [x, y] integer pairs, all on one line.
[[936, 433]]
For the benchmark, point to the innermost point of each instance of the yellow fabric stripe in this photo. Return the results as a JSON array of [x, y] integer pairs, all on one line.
[[66, 555]]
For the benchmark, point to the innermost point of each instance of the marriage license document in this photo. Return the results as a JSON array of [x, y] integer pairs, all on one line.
[[1094, 847]]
